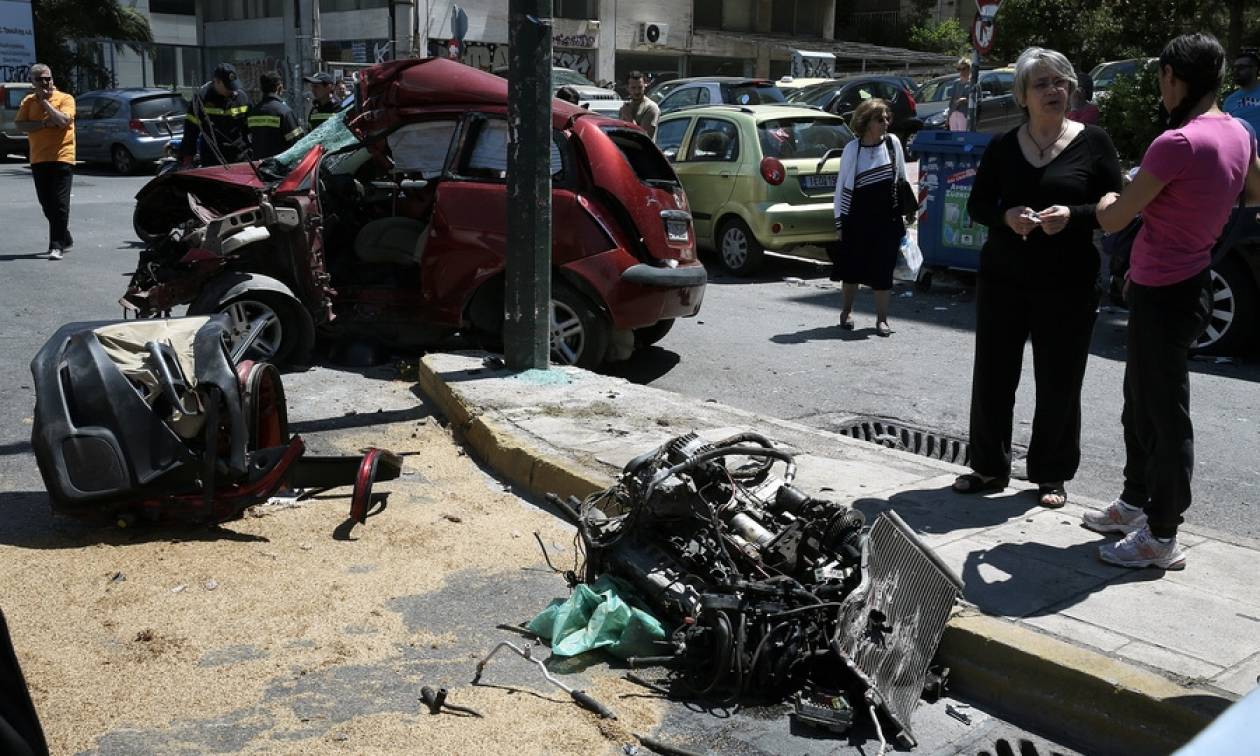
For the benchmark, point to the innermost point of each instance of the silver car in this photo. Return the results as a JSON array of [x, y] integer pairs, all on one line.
[[11, 96], [127, 127]]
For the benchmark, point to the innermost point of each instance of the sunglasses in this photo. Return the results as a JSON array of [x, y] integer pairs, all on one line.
[[43, 78]]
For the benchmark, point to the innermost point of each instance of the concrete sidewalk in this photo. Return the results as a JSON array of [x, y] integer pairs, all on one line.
[[1124, 661]]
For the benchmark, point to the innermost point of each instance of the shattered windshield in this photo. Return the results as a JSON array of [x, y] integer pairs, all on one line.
[[332, 134]]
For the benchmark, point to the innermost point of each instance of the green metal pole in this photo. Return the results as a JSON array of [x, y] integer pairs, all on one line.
[[527, 290]]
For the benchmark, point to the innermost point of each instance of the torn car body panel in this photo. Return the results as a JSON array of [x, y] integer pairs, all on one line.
[[151, 419]]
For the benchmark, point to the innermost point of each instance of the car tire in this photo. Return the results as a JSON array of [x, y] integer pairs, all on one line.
[[281, 337], [738, 249], [1234, 309], [649, 335], [579, 333], [124, 162]]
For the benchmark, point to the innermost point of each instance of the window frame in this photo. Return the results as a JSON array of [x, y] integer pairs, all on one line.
[[465, 143], [680, 155], [695, 139]]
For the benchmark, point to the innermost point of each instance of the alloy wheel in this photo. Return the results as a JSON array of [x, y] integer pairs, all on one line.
[[734, 248], [255, 331], [1224, 307], [568, 337], [123, 162]]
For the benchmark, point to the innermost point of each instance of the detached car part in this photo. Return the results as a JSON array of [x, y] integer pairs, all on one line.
[[580, 697], [152, 419], [773, 593]]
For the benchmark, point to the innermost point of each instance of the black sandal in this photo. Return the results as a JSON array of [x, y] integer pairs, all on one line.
[[977, 484], [1051, 489]]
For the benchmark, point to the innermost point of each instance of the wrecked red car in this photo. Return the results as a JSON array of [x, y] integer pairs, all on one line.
[[387, 225]]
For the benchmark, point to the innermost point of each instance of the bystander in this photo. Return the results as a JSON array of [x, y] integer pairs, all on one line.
[[47, 117]]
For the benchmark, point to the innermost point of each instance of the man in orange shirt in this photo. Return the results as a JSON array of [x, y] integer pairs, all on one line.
[[47, 117]]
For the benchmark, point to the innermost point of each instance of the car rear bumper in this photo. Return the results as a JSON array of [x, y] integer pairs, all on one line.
[[13, 142], [636, 294], [147, 148], [798, 224]]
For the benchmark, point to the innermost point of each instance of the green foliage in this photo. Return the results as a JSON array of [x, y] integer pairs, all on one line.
[[61, 24], [1131, 113], [946, 37]]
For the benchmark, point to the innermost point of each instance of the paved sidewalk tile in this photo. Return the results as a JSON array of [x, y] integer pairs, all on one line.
[[1223, 570], [1147, 607], [1241, 679], [1062, 540], [1170, 661], [941, 516], [1007, 580], [1075, 631], [847, 478]]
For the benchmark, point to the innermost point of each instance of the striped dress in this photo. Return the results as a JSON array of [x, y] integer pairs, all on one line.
[[871, 229]]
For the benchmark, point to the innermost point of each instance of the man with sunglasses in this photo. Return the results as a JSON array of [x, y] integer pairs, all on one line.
[[47, 117], [1244, 102]]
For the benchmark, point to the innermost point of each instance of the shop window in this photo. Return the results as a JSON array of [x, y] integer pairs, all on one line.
[[239, 10], [578, 9], [708, 14], [164, 69]]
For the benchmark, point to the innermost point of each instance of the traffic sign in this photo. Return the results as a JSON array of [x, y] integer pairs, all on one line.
[[982, 30]]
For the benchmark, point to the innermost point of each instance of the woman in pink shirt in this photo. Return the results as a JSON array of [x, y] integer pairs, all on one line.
[[1190, 179]]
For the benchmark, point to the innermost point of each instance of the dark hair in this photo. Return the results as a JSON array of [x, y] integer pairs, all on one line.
[[568, 94], [269, 82], [1255, 56], [635, 75], [1085, 83], [1199, 61]]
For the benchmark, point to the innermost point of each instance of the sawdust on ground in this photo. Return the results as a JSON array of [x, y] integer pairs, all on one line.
[[103, 651]]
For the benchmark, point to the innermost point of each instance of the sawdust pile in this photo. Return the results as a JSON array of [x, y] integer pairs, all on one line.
[[113, 627]]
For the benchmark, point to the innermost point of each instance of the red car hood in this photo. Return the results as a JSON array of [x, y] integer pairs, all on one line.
[[240, 174]]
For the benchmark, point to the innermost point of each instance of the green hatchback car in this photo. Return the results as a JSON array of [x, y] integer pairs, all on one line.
[[758, 177]]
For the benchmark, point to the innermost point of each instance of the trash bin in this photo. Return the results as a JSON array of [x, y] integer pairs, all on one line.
[[947, 168]]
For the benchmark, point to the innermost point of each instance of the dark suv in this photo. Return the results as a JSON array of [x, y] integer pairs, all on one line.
[[842, 97]]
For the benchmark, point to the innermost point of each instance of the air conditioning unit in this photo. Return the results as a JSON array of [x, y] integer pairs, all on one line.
[[653, 33]]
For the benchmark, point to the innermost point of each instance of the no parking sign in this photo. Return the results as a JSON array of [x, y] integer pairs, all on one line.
[[982, 28]]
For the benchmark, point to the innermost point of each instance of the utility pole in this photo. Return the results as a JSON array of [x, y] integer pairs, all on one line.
[[527, 290]]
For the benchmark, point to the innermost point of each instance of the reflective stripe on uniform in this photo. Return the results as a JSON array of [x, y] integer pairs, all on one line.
[[190, 118], [213, 111], [316, 117], [238, 110], [263, 121], [292, 134]]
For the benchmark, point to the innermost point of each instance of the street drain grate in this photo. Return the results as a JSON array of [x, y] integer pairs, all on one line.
[[1004, 747], [907, 438]]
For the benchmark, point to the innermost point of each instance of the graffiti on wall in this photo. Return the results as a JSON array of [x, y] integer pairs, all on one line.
[[492, 56], [15, 73], [577, 60]]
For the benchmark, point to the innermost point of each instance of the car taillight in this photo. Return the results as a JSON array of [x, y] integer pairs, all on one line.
[[773, 171], [914, 106], [135, 125]]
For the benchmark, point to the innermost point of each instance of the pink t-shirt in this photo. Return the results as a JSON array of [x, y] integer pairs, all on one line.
[[1203, 166]]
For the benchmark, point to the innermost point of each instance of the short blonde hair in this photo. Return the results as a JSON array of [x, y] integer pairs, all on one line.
[[865, 112], [963, 63]]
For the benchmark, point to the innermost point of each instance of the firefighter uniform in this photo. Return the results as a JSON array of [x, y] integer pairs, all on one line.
[[217, 119], [272, 127], [321, 112]]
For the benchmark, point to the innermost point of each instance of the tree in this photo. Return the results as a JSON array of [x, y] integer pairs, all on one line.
[[946, 37], [61, 24]]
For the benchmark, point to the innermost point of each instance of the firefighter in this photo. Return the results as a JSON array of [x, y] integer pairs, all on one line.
[[217, 118], [272, 125], [324, 105]]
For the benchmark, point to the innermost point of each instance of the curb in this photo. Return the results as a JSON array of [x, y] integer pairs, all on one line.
[[1073, 693]]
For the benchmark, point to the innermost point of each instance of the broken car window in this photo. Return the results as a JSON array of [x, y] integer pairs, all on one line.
[[333, 135], [489, 154], [422, 147]]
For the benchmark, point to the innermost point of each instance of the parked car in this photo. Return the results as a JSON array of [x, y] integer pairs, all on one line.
[[997, 111], [758, 178], [392, 231], [127, 128], [842, 96], [1234, 327], [12, 141], [713, 90], [590, 96], [1105, 74], [789, 84]]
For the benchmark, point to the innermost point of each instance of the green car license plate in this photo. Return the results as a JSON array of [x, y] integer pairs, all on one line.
[[819, 181]]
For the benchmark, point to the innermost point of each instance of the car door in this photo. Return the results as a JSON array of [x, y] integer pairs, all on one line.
[[710, 170], [86, 141], [108, 125], [683, 97]]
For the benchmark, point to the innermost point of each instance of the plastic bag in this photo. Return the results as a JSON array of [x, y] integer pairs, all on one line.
[[909, 260], [599, 615]]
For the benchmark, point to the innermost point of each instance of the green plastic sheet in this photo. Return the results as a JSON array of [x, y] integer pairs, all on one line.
[[600, 615]]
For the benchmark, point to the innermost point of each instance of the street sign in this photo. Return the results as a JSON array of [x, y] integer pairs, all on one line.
[[982, 31]]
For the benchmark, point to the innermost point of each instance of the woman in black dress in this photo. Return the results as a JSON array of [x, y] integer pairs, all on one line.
[[1036, 189], [868, 226]]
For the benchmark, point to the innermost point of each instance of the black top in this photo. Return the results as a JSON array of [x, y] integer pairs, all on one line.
[[1087, 169], [322, 111], [224, 117], [272, 127]]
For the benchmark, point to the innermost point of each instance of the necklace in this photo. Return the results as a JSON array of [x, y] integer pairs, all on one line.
[[1041, 151]]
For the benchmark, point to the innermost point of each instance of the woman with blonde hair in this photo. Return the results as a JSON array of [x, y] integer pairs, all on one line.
[[869, 226]]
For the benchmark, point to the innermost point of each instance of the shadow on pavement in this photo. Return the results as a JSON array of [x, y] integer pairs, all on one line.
[[940, 511], [645, 366], [30, 524], [360, 420]]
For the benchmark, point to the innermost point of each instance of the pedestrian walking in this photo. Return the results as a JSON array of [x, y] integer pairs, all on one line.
[[869, 226], [216, 121], [47, 117], [1035, 190], [1189, 181], [272, 125], [1244, 102], [323, 104], [640, 109], [958, 114]]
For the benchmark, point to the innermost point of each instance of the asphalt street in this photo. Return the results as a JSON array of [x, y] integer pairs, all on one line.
[[38, 295], [773, 345]]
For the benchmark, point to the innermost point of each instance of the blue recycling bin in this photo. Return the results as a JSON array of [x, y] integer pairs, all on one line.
[[947, 167]]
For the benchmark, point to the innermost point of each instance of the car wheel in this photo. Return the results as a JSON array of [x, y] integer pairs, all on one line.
[[1233, 309], [579, 333], [271, 324], [123, 161], [740, 251], [649, 335]]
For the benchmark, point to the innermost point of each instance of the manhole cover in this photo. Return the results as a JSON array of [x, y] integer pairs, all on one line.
[[908, 438]]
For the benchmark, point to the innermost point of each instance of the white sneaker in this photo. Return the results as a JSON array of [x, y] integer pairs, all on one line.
[[1116, 518], [1141, 549], [54, 254]]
